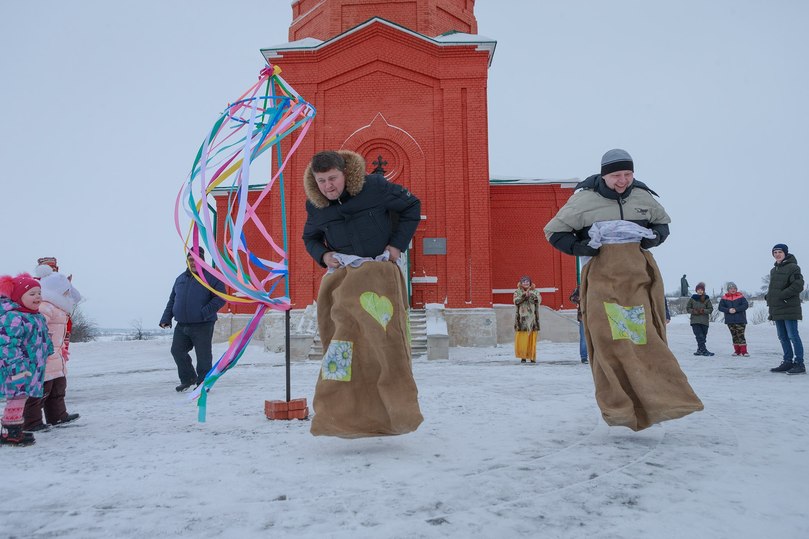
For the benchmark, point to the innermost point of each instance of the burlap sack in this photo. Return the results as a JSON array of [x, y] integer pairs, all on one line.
[[365, 386], [638, 381]]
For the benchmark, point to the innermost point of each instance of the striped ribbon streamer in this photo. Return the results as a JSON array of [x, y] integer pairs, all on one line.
[[264, 115]]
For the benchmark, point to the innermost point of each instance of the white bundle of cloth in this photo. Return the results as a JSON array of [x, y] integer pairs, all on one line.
[[357, 261], [618, 231]]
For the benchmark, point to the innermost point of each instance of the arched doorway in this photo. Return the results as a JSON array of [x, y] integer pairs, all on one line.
[[396, 154]]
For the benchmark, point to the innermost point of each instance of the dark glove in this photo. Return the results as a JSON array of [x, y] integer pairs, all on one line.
[[580, 248], [647, 243]]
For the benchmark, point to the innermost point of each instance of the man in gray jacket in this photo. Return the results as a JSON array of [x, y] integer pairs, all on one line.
[[614, 194]]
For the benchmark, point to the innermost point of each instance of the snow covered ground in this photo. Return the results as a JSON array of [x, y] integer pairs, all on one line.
[[506, 450]]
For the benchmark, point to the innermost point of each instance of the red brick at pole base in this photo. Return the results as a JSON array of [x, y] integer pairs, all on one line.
[[294, 409]]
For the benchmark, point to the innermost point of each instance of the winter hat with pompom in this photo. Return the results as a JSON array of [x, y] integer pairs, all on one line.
[[15, 287], [43, 270]]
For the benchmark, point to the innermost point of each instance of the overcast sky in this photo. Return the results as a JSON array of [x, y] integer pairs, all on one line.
[[105, 104]]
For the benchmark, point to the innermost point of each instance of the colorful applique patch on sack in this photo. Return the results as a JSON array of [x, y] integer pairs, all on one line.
[[627, 322], [377, 306], [337, 361]]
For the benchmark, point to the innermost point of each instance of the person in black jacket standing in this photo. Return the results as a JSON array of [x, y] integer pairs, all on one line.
[[784, 302], [194, 307]]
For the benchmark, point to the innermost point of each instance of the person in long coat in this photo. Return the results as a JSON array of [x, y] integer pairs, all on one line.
[[683, 287], [526, 320]]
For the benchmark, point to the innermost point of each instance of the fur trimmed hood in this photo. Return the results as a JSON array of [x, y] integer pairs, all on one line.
[[354, 173]]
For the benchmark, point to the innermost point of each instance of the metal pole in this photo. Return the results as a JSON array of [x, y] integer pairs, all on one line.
[[289, 391]]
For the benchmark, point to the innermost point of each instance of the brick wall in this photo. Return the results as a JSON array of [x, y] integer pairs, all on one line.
[[326, 19], [519, 215], [383, 91]]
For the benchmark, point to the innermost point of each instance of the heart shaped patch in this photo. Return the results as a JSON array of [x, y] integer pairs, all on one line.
[[377, 306]]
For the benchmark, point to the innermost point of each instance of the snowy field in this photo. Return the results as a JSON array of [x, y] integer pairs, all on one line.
[[506, 450]]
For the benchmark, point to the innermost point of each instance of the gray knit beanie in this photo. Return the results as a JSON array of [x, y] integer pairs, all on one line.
[[615, 160]]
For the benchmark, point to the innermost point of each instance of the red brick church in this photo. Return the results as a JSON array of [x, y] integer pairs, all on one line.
[[404, 83]]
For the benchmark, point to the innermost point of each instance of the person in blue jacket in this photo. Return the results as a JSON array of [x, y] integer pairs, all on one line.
[[194, 307]]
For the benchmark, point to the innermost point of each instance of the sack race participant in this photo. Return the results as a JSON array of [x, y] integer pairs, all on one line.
[[366, 385], [357, 226], [638, 381]]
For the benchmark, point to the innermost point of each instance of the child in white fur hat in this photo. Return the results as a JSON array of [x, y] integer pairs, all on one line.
[[59, 299]]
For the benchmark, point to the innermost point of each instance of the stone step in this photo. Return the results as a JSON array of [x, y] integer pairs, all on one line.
[[418, 336]]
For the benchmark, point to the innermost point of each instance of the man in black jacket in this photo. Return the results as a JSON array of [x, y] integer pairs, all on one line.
[[362, 310], [352, 213], [194, 307]]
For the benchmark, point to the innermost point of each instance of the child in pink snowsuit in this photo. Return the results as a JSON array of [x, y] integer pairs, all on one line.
[[24, 348], [59, 299]]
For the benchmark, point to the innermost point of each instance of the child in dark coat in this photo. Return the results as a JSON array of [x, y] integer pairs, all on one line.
[[700, 308]]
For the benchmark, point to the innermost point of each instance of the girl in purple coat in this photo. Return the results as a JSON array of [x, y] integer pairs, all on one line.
[[24, 347]]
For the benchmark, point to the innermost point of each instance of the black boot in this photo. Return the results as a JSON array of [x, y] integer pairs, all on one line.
[[797, 368], [38, 427], [183, 386], [14, 435], [783, 367], [67, 418]]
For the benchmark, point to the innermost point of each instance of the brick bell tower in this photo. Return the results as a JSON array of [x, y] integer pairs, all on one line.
[[404, 84]]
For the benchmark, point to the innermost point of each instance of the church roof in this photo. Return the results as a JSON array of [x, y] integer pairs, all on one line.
[[497, 179], [453, 39]]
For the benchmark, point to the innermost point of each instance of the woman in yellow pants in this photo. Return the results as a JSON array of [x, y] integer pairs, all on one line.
[[526, 321]]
